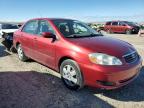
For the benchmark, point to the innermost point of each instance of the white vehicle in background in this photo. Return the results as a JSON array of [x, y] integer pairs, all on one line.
[[7, 28]]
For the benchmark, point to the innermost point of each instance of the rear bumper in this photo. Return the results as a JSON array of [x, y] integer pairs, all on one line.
[[110, 78]]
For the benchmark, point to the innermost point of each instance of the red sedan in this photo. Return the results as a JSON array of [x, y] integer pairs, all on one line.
[[79, 53]]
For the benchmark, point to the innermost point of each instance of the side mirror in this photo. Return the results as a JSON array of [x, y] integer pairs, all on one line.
[[48, 35]]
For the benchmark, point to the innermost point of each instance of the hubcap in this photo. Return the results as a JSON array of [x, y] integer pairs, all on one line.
[[69, 74], [20, 52]]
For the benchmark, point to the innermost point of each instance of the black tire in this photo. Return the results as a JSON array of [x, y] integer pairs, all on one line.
[[128, 32], [74, 66], [21, 54], [109, 31]]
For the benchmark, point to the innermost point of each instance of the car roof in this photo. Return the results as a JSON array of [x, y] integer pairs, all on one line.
[[50, 19], [116, 21]]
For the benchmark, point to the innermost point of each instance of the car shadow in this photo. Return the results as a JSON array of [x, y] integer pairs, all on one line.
[[3, 51], [30, 89], [131, 92]]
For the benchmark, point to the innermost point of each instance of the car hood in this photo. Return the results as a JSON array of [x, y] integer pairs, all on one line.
[[9, 30], [104, 44]]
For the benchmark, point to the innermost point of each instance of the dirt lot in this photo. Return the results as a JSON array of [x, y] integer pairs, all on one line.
[[32, 85]]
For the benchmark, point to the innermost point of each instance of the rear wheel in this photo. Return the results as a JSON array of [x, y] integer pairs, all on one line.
[[21, 54], [128, 31], [109, 31], [71, 75]]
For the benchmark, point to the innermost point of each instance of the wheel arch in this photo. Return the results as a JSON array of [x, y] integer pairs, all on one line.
[[63, 59], [16, 45], [71, 58]]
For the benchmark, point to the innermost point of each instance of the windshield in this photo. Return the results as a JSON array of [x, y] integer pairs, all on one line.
[[9, 26], [130, 23], [72, 28]]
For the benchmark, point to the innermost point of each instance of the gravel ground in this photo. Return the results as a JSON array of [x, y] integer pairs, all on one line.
[[32, 85]]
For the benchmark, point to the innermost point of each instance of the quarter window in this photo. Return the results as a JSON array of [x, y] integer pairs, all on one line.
[[31, 27]]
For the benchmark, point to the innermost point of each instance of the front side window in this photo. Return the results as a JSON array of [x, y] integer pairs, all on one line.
[[31, 27], [130, 23], [72, 28], [44, 26]]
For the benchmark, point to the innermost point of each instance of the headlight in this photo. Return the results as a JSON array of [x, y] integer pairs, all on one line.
[[104, 59]]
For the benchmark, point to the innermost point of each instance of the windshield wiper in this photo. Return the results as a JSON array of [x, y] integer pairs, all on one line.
[[74, 36], [83, 36], [94, 35]]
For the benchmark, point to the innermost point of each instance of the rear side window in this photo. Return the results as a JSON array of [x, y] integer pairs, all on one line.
[[115, 23], [31, 27], [108, 23]]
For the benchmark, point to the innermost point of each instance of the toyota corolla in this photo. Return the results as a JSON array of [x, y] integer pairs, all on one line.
[[79, 53]]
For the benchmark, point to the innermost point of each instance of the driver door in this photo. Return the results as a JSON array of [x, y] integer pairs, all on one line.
[[45, 47]]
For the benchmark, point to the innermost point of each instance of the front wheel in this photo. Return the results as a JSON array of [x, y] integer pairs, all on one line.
[[71, 75]]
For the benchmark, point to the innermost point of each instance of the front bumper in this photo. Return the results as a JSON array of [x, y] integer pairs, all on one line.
[[110, 77]]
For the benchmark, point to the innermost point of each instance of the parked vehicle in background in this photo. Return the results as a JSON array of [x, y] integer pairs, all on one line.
[[7, 41], [121, 27], [97, 27], [7, 28], [79, 53], [141, 31]]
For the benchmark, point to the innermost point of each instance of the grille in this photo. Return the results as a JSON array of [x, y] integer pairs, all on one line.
[[131, 57]]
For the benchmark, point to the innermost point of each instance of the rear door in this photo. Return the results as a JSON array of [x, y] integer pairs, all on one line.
[[123, 27], [45, 47], [28, 35]]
